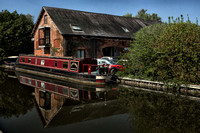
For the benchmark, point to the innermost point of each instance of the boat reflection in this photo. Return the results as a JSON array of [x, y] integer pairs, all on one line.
[[60, 103]]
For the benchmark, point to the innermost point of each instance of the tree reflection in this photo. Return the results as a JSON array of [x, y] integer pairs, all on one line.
[[15, 99], [3, 76], [156, 113]]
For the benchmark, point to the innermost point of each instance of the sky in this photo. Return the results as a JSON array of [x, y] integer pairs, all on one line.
[[164, 8]]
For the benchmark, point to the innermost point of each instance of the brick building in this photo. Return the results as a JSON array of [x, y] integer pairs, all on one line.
[[64, 32]]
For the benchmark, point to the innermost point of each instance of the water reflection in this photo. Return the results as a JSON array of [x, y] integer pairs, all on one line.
[[15, 99], [61, 103], [86, 108], [156, 113]]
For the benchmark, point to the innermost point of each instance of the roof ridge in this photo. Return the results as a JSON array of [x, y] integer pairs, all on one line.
[[92, 12]]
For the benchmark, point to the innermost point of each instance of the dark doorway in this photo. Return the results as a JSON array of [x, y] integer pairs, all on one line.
[[108, 51], [112, 51]]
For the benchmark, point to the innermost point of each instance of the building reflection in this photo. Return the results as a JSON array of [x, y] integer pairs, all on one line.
[[60, 103]]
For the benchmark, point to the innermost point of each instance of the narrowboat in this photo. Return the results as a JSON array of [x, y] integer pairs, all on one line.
[[83, 70]]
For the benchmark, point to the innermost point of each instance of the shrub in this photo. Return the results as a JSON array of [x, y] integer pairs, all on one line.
[[166, 52], [178, 50], [141, 55]]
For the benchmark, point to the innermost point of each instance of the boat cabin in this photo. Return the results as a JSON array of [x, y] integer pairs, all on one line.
[[79, 65]]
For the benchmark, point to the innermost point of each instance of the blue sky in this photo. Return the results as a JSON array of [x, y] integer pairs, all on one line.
[[164, 8]]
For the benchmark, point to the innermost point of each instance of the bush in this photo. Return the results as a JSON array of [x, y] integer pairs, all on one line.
[[141, 56], [178, 49], [166, 52]]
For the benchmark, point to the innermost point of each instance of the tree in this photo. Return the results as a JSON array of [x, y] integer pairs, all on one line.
[[141, 55], [178, 49], [166, 52], [146, 16], [128, 15], [15, 29]]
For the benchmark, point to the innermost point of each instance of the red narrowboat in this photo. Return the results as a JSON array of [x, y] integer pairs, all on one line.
[[83, 70]]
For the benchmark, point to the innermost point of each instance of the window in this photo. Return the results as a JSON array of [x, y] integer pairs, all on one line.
[[36, 83], [125, 29], [44, 36], [74, 93], [47, 50], [74, 66], [65, 65], [45, 100], [42, 62], [103, 62], [29, 60], [56, 63], [36, 61], [29, 81], [56, 88], [65, 91], [76, 28], [23, 60], [47, 35], [24, 80], [42, 85], [81, 53], [45, 19]]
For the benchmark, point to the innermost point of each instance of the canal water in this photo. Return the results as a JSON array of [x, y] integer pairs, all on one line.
[[33, 104]]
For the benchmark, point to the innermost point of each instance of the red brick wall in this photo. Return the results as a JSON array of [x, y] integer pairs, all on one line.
[[100, 43], [56, 38]]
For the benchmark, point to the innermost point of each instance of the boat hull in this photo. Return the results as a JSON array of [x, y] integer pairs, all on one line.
[[62, 75]]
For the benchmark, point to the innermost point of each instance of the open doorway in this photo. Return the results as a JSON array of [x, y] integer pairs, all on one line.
[[112, 51]]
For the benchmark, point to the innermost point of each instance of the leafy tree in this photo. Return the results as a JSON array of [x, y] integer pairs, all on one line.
[[141, 56], [166, 52], [128, 15], [146, 16], [15, 32], [178, 49]]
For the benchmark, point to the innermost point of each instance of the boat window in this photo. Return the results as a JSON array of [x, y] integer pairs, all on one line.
[[42, 85], [65, 65], [74, 66], [24, 80], [65, 91], [36, 83], [36, 61], [29, 60], [74, 93], [56, 63], [23, 60], [29, 81], [42, 62], [56, 88]]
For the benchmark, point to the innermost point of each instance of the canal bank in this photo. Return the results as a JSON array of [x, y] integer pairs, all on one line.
[[193, 90]]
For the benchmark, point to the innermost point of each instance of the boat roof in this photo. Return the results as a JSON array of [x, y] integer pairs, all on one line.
[[12, 57], [57, 57]]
